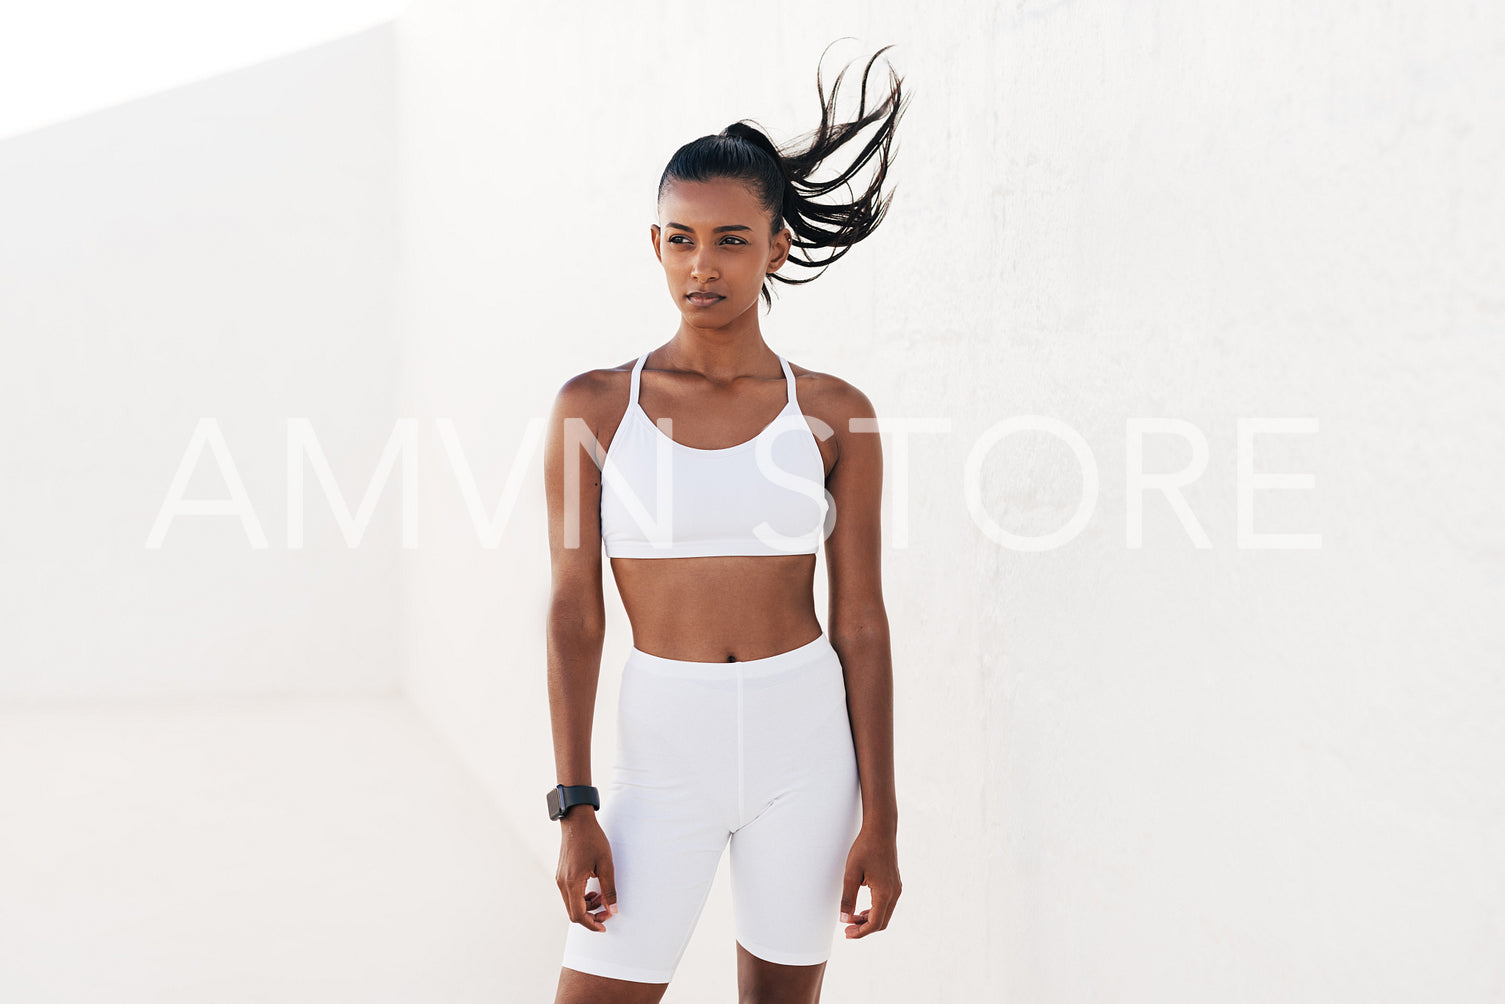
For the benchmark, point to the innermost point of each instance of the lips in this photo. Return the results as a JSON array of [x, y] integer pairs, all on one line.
[[704, 299]]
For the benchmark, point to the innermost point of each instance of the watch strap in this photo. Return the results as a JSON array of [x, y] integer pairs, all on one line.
[[567, 796]]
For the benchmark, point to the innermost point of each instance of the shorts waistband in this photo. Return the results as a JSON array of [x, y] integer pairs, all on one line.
[[782, 662]]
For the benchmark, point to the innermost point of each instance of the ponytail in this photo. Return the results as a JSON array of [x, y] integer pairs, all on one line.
[[781, 177]]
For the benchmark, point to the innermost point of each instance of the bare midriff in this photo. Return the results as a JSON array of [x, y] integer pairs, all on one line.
[[723, 608]]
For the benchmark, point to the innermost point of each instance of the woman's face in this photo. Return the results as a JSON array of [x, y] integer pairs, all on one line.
[[713, 235]]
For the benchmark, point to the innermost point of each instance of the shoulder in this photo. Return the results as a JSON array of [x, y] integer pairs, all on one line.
[[830, 398], [593, 394], [838, 412]]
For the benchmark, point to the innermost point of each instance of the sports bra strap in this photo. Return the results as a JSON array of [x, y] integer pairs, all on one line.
[[789, 376], [637, 374]]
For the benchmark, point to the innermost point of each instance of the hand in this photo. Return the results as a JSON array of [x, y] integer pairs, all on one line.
[[584, 851], [873, 862]]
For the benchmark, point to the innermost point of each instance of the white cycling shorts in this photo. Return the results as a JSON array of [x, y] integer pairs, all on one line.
[[758, 753]]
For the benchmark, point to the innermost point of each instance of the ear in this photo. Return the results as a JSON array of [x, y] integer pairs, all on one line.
[[653, 235], [783, 243]]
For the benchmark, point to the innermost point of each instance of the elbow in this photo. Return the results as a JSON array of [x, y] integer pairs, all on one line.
[[869, 627], [576, 622]]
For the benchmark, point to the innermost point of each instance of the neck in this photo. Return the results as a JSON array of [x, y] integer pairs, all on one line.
[[720, 361]]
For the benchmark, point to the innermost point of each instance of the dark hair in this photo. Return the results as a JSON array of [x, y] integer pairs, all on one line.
[[780, 176]]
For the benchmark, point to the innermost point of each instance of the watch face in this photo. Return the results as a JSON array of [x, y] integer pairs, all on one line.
[[555, 810]]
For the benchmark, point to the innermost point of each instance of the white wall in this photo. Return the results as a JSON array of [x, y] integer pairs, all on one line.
[[225, 251], [1131, 774], [73, 57]]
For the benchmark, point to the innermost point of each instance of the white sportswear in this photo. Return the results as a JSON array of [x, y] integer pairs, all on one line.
[[662, 499]]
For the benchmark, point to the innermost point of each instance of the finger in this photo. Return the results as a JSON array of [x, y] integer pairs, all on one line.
[[876, 916], [883, 907], [607, 873], [595, 906], [866, 922], [578, 902], [591, 919], [849, 883]]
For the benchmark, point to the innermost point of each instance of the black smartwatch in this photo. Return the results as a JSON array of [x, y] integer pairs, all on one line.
[[564, 797]]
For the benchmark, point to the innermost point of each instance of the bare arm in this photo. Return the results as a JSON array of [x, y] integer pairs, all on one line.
[[576, 631], [577, 611], [858, 620]]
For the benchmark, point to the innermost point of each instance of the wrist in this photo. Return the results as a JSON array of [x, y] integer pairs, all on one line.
[[563, 799], [881, 820]]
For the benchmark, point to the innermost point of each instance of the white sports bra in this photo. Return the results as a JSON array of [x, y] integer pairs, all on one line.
[[662, 499]]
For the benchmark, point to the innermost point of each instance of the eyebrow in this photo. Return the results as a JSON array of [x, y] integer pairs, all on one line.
[[730, 226]]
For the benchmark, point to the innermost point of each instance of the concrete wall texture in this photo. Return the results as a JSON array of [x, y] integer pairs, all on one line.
[[1152, 773], [222, 252], [1225, 243]]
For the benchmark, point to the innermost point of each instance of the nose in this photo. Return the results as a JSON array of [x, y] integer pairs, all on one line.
[[703, 268]]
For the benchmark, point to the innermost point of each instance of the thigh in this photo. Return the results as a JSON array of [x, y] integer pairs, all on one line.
[[789, 859], [787, 869], [760, 980], [576, 987], [665, 817], [664, 852]]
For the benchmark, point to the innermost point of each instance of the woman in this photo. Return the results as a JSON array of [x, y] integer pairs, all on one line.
[[739, 720]]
